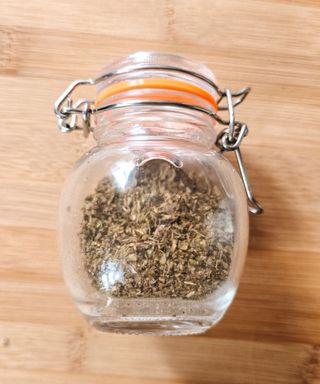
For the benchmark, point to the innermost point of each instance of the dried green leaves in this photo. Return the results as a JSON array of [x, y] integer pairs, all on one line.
[[163, 237]]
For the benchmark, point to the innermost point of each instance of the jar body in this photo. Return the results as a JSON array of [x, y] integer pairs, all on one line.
[[153, 225], [166, 309]]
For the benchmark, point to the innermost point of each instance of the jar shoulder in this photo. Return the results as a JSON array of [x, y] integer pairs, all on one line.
[[123, 158], [135, 149]]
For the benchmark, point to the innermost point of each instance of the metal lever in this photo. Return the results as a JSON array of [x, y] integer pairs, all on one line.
[[230, 139], [255, 207]]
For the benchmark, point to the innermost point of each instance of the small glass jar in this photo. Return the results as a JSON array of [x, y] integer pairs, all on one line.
[[153, 228]]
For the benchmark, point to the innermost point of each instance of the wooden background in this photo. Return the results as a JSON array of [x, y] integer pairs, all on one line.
[[272, 332]]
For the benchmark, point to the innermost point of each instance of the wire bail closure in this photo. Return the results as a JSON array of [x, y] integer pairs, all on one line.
[[77, 115], [230, 139]]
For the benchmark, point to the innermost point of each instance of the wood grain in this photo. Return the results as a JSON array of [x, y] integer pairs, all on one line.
[[272, 332]]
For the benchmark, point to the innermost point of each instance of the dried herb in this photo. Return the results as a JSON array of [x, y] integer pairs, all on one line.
[[163, 236]]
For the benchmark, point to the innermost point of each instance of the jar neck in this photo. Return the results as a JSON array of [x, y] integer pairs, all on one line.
[[147, 124]]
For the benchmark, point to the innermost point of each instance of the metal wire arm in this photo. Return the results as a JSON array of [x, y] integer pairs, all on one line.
[[77, 115]]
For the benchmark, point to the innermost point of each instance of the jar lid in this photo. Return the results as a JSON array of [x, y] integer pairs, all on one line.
[[153, 74]]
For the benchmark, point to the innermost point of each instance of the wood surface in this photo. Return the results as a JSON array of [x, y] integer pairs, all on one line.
[[271, 334]]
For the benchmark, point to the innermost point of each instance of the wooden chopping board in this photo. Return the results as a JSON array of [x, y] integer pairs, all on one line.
[[272, 332]]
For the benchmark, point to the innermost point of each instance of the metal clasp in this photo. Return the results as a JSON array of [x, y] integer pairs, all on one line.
[[77, 115], [230, 139], [69, 113]]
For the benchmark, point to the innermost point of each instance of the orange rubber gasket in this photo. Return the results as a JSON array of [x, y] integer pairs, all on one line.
[[185, 99], [156, 83]]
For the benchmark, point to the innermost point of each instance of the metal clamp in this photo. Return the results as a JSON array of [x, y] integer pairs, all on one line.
[[229, 139], [71, 117], [77, 116]]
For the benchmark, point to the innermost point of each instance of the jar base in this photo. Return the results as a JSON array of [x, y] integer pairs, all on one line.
[[152, 327], [157, 316]]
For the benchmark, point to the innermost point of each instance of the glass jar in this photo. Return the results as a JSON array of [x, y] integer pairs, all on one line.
[[153, 226]]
